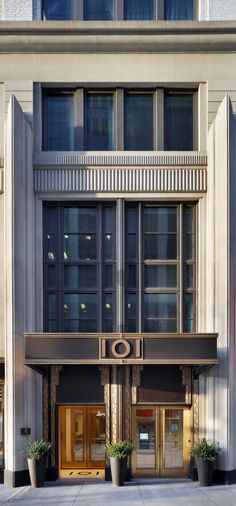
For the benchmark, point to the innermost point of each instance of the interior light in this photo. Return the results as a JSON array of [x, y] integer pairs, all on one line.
[[49, 237], [66, 236], [108, 237], [83, 306], [88, 237], [51, 255], [65, 255], [129, 306], [65, 306], [108, 306]]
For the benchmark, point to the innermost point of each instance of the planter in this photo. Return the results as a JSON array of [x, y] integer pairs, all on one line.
[[118, 470], [37, 470], [205, 471]]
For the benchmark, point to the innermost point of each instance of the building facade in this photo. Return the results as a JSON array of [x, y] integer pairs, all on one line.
[[117, 212]]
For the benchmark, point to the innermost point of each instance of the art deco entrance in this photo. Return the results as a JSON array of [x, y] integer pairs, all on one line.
[[161, 438], [82, 437]]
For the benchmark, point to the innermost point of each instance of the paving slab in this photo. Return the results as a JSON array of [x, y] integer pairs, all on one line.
[[138, 492]]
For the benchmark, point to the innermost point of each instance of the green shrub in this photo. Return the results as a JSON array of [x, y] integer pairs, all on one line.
[[206, 449], [37, 449], [120, 449]]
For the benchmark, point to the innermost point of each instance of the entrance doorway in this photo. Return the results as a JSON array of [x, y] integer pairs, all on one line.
[[161, 437], [82, 437]]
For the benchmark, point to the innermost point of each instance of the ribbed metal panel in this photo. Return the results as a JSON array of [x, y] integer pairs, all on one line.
[[120, 159], [120, 180]]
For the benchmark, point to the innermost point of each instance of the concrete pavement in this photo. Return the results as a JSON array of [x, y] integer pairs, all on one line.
[[139, 492]]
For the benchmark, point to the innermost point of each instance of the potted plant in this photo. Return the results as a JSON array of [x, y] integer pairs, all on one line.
[[36, 453], [118, 451], [205, 452]]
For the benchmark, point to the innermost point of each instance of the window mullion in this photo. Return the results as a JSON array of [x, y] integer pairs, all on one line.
[[80, 9], [101, 297], [79, 130], [119, 120], [159, 9], [120, 300], [140, 270], [180, 263], [119, 9]]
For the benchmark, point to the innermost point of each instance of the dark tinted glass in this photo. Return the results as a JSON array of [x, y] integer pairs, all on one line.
[[98, 9], [160, 276], [138, 9], [160, 219], [178, 9], [58, 9], [178, 122], [160, 246], [99, 122], [138, 122], [58, 124]]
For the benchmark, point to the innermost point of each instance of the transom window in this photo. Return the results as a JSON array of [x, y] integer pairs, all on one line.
[[119, 120], [108, 10], [81, 268]]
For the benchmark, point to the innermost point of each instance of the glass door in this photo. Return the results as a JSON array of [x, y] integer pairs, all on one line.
[[82, 437], [161, 438]]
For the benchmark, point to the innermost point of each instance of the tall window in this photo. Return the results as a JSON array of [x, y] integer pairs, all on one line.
[[98, 9], [79, 260], [138, 9], [58, 10], [99, 121], [138, 121], [58, 124], [80, 245], [160, 268], [178, 118]]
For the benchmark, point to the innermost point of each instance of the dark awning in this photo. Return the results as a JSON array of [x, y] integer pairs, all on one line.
[[189, 349]]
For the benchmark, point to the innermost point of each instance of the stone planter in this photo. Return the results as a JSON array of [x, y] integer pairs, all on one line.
[[118, 470], [37, 470], [205, 471]]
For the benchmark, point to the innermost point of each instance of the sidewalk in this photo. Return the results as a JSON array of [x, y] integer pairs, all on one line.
[[139, 492]]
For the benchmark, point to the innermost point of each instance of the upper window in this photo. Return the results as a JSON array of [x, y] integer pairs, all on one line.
[[58, 124], [106, 10], [138, 9], [58, 10], [99, 121], [138, 122], [178, 119], [92, 120], [177, 10], [98, 10]]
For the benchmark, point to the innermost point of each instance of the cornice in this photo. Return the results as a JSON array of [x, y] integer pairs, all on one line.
[[120, 36]]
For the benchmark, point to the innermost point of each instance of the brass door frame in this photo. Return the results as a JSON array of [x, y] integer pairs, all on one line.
[[159, 469], [87, 462]]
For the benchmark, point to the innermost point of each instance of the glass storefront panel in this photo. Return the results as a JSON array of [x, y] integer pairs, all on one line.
[[173, 439], [146, 438]]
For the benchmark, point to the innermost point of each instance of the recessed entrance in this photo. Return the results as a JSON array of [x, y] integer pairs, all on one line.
[[161, 438], [82, 438]]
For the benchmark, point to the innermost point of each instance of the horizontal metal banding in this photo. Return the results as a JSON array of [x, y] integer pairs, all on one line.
[[120, 180]]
